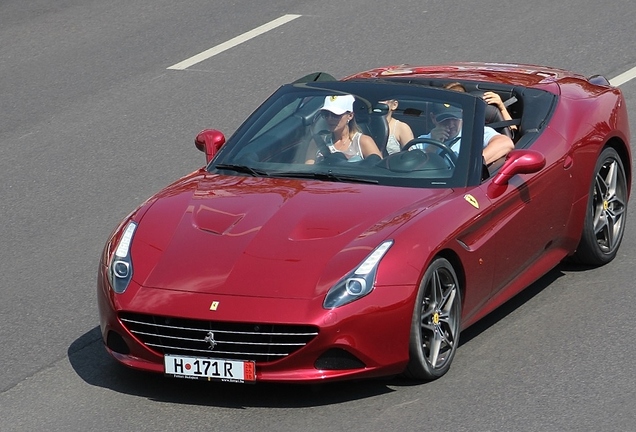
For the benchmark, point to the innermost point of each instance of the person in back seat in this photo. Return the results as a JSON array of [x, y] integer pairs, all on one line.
[[491, 98], [399, 132]]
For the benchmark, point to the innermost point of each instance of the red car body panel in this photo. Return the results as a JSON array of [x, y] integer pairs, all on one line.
[[208, 238]]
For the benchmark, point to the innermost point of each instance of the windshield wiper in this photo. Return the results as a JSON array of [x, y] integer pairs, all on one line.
[[329, 175], [244, 169]]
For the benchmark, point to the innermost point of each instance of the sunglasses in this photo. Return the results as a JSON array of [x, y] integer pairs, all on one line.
[[329, 114]]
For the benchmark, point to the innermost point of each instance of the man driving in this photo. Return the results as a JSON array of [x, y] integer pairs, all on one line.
[[447, 119]]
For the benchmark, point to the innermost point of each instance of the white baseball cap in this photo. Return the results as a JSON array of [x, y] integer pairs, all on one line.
[[339, 104]]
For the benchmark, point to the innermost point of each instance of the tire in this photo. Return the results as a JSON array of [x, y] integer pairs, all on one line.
[[435, 324], [604, 223]]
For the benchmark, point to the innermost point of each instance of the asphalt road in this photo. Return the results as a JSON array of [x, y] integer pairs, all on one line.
[[92, 122]]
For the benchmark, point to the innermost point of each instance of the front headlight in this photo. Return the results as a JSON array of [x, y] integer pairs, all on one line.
[[120, 268], [359, 282]]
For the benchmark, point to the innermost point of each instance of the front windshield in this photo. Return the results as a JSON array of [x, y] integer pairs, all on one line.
[[346, 131]]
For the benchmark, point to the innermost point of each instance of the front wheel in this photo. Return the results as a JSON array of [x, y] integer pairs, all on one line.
[[604, 223], [436, 322]]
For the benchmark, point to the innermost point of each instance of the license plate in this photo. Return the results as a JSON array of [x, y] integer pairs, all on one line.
[[210, 369]]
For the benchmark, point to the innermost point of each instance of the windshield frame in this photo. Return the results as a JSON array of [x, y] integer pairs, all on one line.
[[368, 94]]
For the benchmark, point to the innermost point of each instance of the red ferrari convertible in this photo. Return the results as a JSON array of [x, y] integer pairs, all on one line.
[[308, 250]]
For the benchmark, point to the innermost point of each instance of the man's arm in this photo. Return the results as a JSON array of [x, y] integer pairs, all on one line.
[[498, 147]]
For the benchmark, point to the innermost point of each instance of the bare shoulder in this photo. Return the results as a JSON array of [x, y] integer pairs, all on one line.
[[404, 132], [368, 145], [366, 140]]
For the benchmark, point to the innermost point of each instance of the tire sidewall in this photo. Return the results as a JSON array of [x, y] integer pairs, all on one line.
[[419, 367], [588, 251]]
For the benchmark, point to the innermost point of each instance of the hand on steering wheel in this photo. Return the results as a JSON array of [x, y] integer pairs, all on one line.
[[319, 138], [446, 151], [328, 157]]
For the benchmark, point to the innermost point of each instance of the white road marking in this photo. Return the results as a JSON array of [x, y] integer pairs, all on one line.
[[623, 78], [616, 81], [234, 42]]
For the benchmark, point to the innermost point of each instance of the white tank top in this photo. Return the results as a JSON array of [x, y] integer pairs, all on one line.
[[353, 152], [392, 143]]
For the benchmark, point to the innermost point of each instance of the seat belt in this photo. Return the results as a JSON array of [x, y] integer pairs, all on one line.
[[504, 123]]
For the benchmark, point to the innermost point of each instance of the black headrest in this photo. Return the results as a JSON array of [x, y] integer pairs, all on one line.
[[492, 113]]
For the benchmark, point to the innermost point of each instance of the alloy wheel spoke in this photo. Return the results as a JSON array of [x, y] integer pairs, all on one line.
[[616, 207], [615, 216], [446, 328], [435, 346], [600, 224], [611, 179], [436, 289], [610, 235], [601, 187], [609, 206], [428, 326], [448, 342], [438, 324], [428, 310], [448, 301]]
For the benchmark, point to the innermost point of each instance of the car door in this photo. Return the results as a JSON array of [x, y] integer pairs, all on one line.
[[529, 217]]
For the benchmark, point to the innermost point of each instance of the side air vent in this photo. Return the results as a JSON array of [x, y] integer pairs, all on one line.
[[338, 359]]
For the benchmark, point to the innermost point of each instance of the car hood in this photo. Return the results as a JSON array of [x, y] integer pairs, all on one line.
[[269, 237]]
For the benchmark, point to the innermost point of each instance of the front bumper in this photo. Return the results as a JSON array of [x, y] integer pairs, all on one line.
[[366, 338]]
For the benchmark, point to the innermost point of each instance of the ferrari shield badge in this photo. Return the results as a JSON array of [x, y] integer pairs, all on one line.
[[214, 305], [471, 199]]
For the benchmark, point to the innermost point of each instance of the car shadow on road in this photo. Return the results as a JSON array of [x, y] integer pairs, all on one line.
[[516, 302], [91, 362]]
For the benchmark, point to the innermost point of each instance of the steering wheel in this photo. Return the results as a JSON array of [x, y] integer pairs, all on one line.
[[328, 158], [319, 139], [446, 151]]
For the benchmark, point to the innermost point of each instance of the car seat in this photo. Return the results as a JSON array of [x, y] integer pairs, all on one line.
[[493, 116], [372, 124]]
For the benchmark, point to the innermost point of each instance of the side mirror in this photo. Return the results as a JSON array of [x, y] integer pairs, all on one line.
[[209, 141], [517, 162], [599, 80]]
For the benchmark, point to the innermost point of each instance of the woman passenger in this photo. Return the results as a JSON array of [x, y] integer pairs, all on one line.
[[399, 132]]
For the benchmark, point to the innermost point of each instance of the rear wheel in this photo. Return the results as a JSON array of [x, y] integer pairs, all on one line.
[[605, 217], [436, 322]]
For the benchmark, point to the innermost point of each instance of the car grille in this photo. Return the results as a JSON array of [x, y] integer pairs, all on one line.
[[233, 341]]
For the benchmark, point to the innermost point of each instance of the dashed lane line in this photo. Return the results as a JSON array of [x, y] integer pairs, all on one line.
[[623, 78], [234, 42]]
